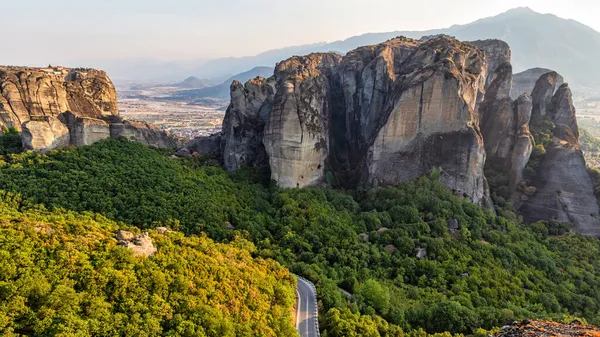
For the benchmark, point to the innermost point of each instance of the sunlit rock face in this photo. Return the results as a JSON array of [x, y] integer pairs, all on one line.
[[27, 93], [56, 107], [380, 115]]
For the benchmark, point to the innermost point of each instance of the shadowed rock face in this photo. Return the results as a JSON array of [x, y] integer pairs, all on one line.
[[524, 82], [543, 92], [497, 53], [380, 115], [564, 188], [243, 126], [34, 92]]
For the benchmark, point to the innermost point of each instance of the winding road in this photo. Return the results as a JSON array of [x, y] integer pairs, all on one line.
[[307, 321]]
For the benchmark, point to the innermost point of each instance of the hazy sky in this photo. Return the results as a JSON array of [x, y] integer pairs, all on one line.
[[37, 32]]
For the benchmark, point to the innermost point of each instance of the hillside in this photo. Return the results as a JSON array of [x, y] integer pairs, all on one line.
[[412, 253], [537, 40], [64, 274]]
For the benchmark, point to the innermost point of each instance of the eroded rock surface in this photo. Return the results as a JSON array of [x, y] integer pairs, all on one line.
[[380, 115], [143, 132], [524, 82], [57, 107], [44, 133], [28, 93], [208, 145], [564, 189], [243, 126]]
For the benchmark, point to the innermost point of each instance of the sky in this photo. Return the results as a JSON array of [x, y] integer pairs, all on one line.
[[39, 32]]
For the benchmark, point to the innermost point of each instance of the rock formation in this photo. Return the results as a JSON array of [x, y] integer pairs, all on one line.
[[380, 115], [56, 107], [202, 146], [524, 82], [564, 189], [383, 114], [244, 123], [34, 92], [497, 53]]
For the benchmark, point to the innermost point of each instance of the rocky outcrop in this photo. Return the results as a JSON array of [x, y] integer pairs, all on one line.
[[543, 92], [380, 115], [497, 53], [547, 329], [143, 132], [386, 113], [28, 93], [523, 145], [44, 133], [56, 107], [140, 245], [296, 136], [524, 82], [203, 146], [245, 119], [84, 130], [564, 189], [498, 119]]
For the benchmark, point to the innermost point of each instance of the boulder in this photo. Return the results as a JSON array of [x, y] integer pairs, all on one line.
[[204, 146], [44, 134], [143, 132], [140, 245]]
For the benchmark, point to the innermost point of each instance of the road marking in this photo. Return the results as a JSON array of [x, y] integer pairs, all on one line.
[[298, 310]]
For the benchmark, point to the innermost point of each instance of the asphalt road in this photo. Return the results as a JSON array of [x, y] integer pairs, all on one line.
[[307, 321]]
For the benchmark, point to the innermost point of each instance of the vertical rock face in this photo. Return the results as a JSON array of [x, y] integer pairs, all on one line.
[[430, 121], [33, 92], [380, 115], [498, 120], [524, 82], [296, 136], [497, 53], [543, 92], [244, 122], [523, 145], [564, 188]]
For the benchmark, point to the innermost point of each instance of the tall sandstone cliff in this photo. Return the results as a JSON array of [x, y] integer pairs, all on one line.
[[380, 115], [386, 113], [56, 107]]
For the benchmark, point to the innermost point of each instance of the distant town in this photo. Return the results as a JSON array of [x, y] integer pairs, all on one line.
[[180, 118]]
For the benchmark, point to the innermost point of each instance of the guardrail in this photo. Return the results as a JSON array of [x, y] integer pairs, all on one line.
[[310, 284]]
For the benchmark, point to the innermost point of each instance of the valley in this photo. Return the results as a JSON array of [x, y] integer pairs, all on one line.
[[180, 117]]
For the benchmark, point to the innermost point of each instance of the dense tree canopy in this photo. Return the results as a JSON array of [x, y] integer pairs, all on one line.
[[63, 274], [480, 269]]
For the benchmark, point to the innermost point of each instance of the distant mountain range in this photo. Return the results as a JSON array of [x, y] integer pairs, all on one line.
[[537, 40], [221, 90]]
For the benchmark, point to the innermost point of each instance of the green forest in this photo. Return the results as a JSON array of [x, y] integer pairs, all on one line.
[[416, 258], [63, 274]]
